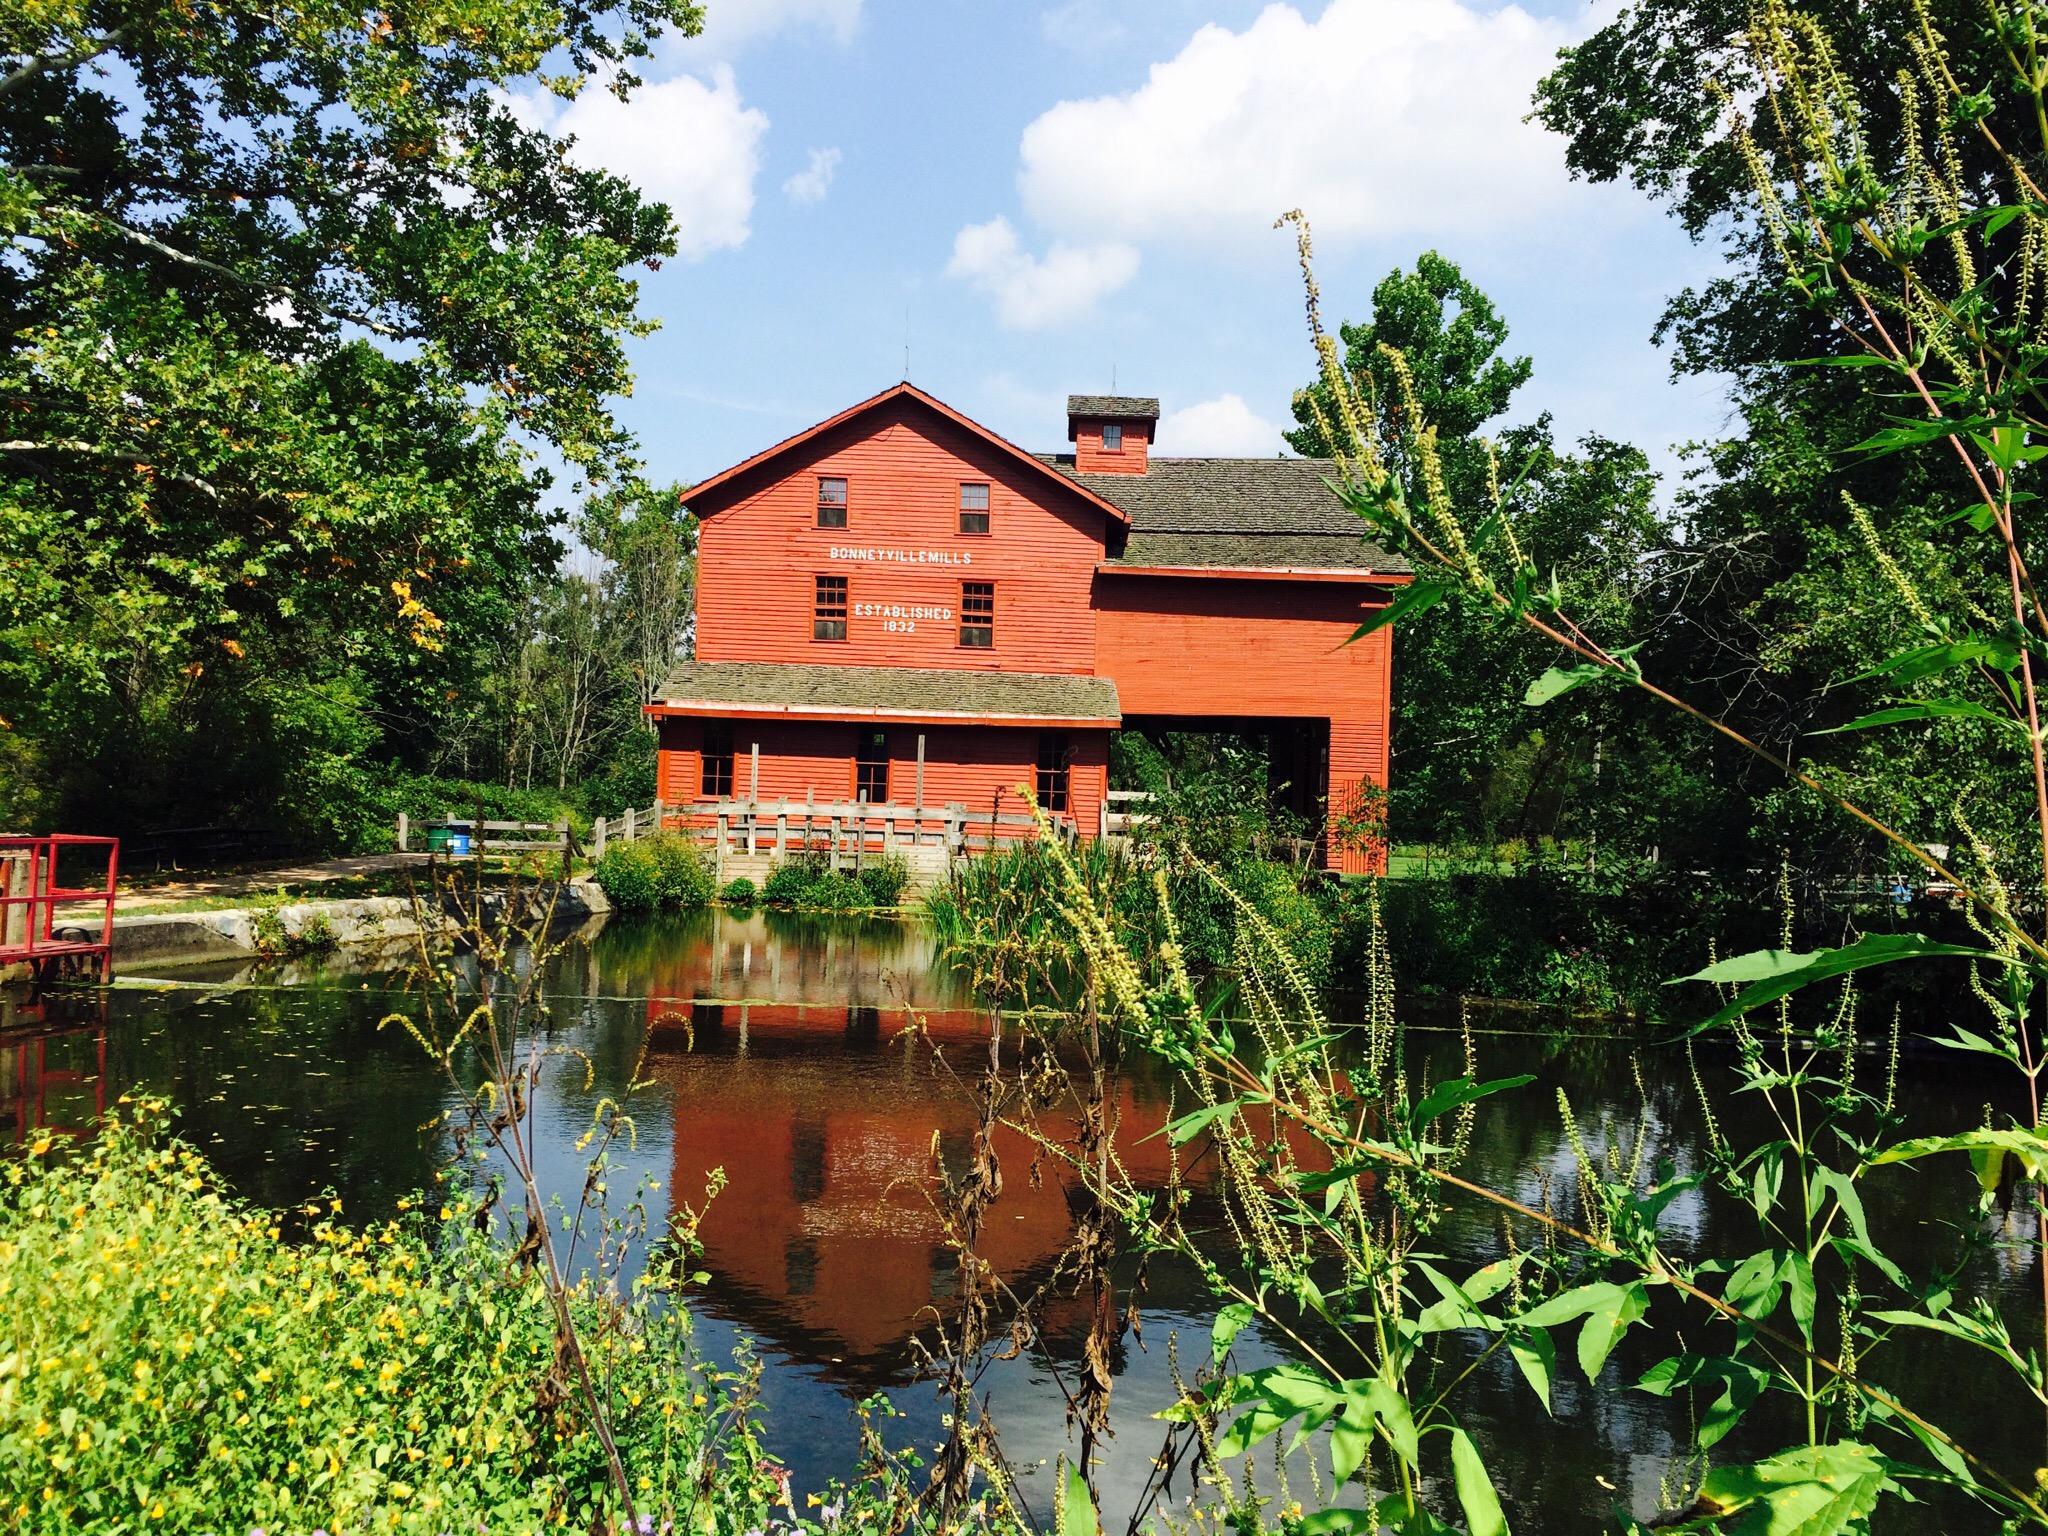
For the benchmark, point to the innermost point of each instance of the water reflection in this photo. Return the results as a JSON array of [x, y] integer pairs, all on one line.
[[820, 1064]]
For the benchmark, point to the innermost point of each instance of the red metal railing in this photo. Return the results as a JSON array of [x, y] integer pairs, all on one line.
[[30, 894]]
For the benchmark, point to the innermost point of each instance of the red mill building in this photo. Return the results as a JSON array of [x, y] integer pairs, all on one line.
[[898, 607]]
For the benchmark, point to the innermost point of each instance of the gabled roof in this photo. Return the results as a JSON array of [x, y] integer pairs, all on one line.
[[1279, 499], [699, 497], [832, 692]]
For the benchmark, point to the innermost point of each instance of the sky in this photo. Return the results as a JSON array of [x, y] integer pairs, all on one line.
[[1079, 195]]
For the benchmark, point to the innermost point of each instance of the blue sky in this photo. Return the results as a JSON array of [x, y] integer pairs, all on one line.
[[1056, 194]]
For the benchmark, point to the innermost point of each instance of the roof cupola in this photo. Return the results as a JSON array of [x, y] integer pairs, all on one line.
[[1111, 434]]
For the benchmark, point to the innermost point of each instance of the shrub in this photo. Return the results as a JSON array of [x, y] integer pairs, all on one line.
[[664, 870], [885, 879], [835, 891], [682, 873], [212, 1377], [738, 893], [1299, 906], [628, 877], [789, 883]]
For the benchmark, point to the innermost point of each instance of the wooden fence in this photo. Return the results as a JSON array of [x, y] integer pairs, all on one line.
[[1121, 812], [491, 837], [839, 830]]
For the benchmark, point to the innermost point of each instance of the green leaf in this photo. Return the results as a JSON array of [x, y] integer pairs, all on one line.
[[1453, 1095], [1419, 596], [1800, 1291], [1076, 1514], [1740, 1382], [1341, 1522], [1912, 431], [1558, 681], [1813, 1491], [1987, 1151], [1368, 1402], [1927, 660], [1536, 1354], [1776, 973], [1758, 1282], [1605, 1325], [1566, 1305], [1190, 1125], [1229, 1323], [1928, 709], [1483, 1515]]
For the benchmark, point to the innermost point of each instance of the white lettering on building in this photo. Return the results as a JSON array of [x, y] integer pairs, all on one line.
[[871, 554]]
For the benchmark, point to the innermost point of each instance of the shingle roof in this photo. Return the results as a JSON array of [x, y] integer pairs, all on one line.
[[1249, 498], [853, 692], [1258, 552], [1127, 406]]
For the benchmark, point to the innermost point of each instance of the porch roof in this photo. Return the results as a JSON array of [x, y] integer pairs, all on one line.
[[824, 692]]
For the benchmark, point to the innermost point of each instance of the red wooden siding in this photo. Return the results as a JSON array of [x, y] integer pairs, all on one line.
[[1090, 455], [1241, 647], [979, 767], [1253, 649], [903, 468]]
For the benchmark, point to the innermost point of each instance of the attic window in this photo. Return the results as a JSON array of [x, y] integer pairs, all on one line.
[[973, 507], [831, 501], [1112, 437]]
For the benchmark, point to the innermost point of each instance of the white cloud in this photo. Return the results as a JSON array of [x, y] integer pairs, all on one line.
[[1032, 291], [1381, 117], [732, 24], [810, 184], [689, 143], [1223, 426]]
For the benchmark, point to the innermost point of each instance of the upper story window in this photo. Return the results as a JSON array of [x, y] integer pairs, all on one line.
[[831, 501], [828, 611], [1112, 437], [717, 760], [978, 614], [973, 507]]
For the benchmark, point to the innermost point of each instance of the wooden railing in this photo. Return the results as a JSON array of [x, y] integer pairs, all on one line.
[[1121, 812], [487, 837], [837, 829]]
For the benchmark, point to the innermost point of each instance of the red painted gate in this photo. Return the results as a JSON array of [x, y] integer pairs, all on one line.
[[31, 893]]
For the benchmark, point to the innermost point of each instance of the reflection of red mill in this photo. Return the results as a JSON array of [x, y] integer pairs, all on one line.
[[825, 1219], [825, 1231]]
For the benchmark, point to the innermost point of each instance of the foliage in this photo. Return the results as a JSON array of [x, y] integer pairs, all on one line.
[[808, 880], [1337, 1172], [682, 872], [884, 880], [1469, 762], [295, 1372], [788, 881], [738, 893], [666, 869], [277, 940], [1803, 535], [293, 304], [628, 878]]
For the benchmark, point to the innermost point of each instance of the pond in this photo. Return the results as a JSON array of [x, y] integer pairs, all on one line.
[[778, 1052]]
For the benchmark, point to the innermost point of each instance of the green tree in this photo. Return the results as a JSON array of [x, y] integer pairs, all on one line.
[[1779, 594], [1470, 762], [291, 301]]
